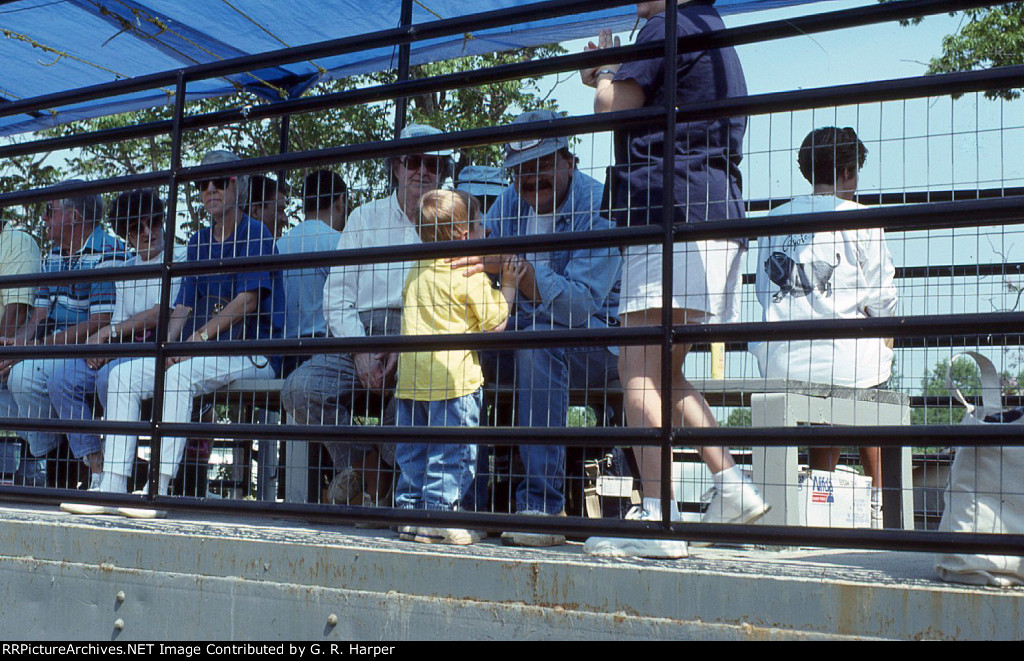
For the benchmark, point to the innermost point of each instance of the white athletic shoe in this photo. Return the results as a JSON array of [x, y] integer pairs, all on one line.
[[734, 503]]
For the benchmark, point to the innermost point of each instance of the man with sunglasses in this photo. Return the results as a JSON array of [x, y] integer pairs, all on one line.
[[362, 300], [564, 288], [210, 307], [64, 313]]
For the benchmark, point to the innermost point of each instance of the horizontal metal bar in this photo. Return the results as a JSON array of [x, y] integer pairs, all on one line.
[[939, 215], [811, 436], [987, 325]]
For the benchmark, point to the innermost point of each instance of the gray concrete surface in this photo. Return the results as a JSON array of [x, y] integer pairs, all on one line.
[[108, 578]]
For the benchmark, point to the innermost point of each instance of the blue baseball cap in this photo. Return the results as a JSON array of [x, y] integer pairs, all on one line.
[[481, 180], [518, 152]]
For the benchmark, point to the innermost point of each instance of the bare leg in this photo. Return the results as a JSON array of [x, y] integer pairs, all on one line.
[[824, 459], [95, 461], [640, 372], [871, 459]]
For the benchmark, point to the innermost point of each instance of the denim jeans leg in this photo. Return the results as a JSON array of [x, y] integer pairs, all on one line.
[[27, 383], [542, 386], [451, 466], [410, 457], [71, 387]]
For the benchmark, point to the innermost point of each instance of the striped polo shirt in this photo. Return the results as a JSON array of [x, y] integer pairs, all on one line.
[[71, 304]]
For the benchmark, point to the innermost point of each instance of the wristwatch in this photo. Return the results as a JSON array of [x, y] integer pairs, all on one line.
[[204, 335], [610, 72], [115, 332]]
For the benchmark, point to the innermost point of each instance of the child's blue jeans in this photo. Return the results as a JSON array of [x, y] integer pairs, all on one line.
[[436, 475]]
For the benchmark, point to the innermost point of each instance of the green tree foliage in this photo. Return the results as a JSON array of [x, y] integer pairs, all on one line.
[[987, 37], [455, 109], [966, 376]]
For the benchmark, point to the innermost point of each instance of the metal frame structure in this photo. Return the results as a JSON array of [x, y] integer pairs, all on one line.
[[1001, 207]]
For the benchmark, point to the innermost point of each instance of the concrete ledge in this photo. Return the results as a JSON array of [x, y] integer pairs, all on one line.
[[60, 576]]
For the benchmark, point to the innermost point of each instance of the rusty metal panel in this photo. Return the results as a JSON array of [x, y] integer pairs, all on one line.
[[94, 578]]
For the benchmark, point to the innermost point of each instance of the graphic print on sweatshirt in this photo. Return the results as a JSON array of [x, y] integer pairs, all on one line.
[[796, 279]]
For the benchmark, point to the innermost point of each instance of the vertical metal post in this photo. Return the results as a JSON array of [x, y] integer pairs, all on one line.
[[668, 219], [170, 233], [401, 104]]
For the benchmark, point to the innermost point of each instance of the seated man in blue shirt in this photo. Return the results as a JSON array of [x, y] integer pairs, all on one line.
[[561, 289], [211, 307], [62, 313]]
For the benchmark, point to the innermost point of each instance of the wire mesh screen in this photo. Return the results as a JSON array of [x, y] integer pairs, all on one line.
[[538, 324]]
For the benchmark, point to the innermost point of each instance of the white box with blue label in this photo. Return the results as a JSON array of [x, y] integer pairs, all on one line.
[[835, 500]]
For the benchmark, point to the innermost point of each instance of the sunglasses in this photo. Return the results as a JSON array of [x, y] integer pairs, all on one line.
[[219, 184], [432, 163]]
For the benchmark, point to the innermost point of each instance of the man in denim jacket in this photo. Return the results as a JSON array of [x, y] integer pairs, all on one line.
[[562, 289]]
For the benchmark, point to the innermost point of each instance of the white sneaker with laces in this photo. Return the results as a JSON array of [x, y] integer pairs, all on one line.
[[735, 503], [624, 547]]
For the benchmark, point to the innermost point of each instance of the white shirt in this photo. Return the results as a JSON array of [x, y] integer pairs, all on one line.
[[135, 296], [350, 290], [539, 223], [825, 275], [19, 255]]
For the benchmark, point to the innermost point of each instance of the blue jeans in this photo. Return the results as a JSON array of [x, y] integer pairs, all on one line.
[[542, 380], [71, 386], [435, 476]]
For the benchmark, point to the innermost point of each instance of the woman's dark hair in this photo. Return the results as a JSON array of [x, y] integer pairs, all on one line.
[[828, 151]]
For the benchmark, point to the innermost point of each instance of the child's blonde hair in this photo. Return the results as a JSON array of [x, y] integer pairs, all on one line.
[[445, 214]]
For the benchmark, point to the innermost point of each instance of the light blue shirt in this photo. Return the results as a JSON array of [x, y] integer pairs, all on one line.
[[304, 288], [577, 288]]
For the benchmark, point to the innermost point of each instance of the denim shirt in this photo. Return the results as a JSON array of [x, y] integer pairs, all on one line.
[[578, 288]]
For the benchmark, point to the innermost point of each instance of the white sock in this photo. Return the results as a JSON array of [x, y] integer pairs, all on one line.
[[653, 507], [729, 477]]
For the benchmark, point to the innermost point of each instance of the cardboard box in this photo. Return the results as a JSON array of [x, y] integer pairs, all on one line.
[[835, 500]]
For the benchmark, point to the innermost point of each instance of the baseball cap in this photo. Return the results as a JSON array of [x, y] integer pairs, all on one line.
[[518, 152], [481, 180], [420, 130]]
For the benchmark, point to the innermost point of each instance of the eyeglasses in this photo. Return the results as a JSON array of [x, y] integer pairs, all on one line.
[[523, 145], [434, 164], [219, 184]]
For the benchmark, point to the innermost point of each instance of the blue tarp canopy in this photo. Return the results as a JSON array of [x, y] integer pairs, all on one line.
[[49, 46]]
